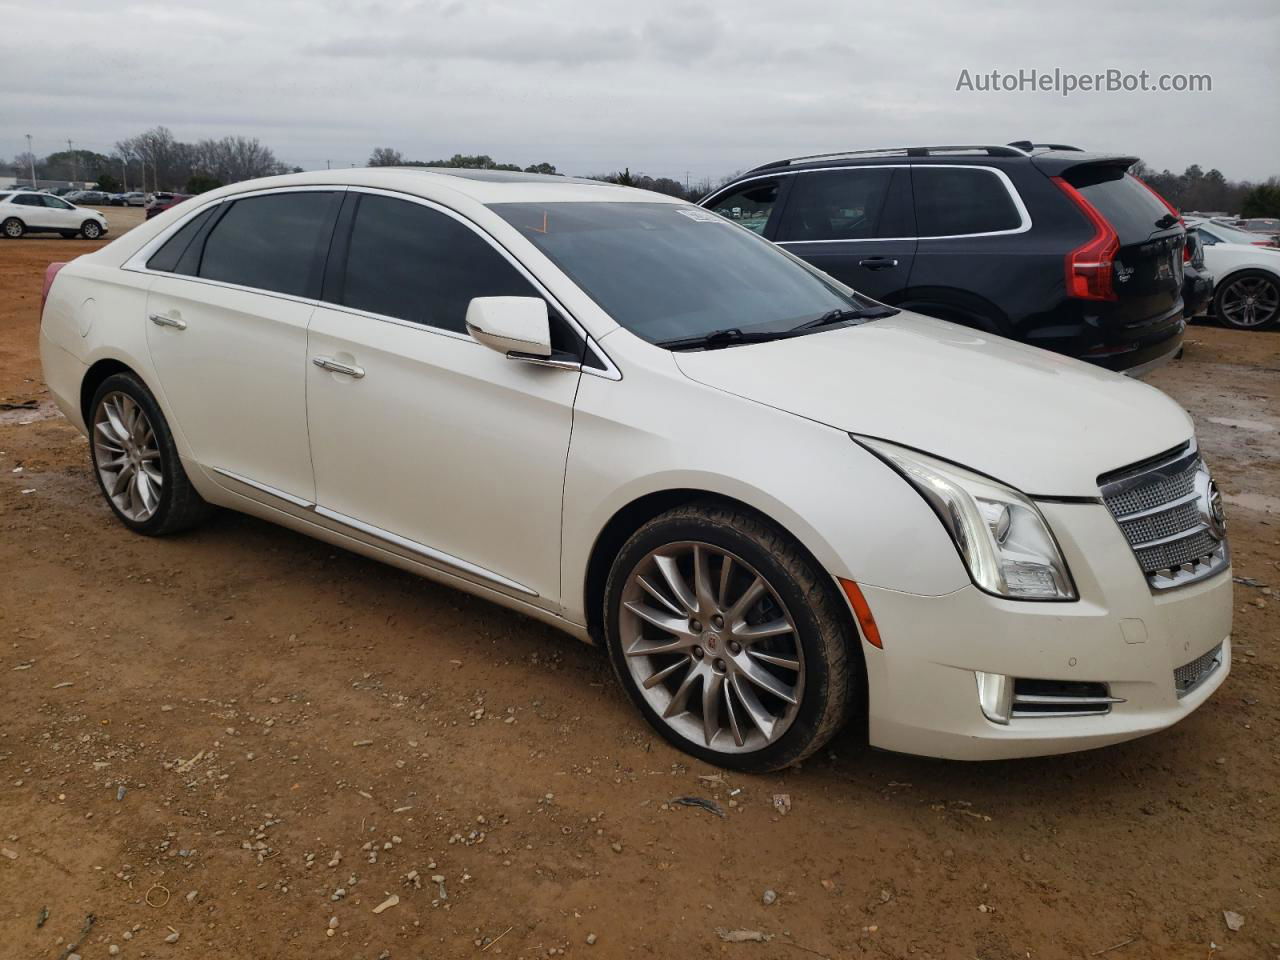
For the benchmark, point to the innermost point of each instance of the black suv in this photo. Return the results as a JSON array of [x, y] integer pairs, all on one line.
[[1038, 242]]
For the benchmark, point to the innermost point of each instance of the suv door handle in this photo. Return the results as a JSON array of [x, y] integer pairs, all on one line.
[[878, 263], [160, 320], [333, 366]]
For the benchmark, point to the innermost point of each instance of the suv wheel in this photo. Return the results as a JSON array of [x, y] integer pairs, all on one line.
[[728, 639], [136, 462], [90, 230], [1250, 300], [13, 228]]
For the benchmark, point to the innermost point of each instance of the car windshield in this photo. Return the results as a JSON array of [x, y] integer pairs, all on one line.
[[670, 272]]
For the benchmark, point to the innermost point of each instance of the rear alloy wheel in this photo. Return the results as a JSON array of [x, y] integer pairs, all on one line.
[[728, 640], [136, 462], [90, 230], [1250, 300], [13, 228]]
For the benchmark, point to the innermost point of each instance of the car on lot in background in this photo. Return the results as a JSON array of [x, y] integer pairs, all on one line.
[[1052, 246], [1246, 269], [158, 203], [134, 198], [95, 197], [777, 503], [31, 212]]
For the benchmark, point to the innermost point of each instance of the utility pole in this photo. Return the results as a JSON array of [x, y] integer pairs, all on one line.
[[326, 165], [124, 173], [31, 157]]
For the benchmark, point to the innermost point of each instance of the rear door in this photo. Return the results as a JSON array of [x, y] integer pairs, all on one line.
[[33, 212], [854, 223], [227, 329]]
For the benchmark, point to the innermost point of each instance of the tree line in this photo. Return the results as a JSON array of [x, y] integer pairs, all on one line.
[[157, 160], [388, 157], [1211, 192]]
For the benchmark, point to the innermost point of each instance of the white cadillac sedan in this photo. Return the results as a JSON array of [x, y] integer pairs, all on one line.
[[778, 504]]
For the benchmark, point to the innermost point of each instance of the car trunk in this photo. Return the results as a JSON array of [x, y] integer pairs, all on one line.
[[1128, 278]]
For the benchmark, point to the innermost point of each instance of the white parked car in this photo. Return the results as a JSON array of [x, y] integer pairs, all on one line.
[[30, 212], [778, 504], [1246, 293]]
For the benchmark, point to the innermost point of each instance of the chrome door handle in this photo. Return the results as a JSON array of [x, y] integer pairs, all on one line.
[[333, 366], [160, 320]]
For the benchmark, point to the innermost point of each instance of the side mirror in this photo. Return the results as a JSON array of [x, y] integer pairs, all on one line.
[[511, 325]]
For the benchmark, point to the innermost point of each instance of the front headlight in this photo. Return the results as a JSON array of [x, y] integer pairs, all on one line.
[[1001, 535]]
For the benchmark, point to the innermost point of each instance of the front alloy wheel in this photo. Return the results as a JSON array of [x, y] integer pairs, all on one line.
[[91, 230], [729, 640], [712, 647]]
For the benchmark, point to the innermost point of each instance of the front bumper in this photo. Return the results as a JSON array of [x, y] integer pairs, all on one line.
[[923, 686]]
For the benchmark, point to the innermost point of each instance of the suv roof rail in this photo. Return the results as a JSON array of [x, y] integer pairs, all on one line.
[[1028, 147], [991, 150]]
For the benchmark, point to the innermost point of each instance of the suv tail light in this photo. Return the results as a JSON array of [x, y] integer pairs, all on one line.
[[50, 272], [1089, 266]]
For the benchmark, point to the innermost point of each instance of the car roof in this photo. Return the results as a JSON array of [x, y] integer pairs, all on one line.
[[482, 186], [1053, 159]]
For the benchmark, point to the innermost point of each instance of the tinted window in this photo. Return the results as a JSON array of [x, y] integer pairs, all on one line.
[[750, 206], [836, 205], [951, 201], [666, 271], [414, 263], [276, 242], [1133, 211], [167, 257], [28, 200], [55, 203]]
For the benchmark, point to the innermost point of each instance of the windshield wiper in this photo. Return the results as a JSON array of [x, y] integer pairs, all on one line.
[[729, 337], [843, 314]]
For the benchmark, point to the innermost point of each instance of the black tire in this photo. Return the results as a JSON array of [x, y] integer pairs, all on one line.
[[833, 685], [13, 228], [180, 507], [90, 230], [1230, 289]]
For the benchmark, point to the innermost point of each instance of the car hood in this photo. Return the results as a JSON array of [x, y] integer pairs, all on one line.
[[1044, 423]]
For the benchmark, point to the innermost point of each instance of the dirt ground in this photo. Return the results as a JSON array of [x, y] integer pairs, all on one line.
[[236, 735]]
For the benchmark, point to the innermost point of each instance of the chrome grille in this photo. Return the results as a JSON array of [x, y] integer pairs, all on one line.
[[1158, 493], [1158, 526], [1168, 510], [1190, 675]]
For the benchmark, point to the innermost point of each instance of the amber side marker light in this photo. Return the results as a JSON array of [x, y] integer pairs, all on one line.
[[863, 612]]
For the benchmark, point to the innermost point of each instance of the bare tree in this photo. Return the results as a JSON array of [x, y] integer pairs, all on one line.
[[385, 157]]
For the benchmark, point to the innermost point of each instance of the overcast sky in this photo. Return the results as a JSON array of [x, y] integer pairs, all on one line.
[[665, 88]]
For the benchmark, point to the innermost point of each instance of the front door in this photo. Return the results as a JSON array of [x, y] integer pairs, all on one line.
[[855, 224], [444, 449]]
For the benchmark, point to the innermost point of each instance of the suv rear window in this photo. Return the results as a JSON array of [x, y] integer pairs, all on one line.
[[1133, 211], [955, 201]]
